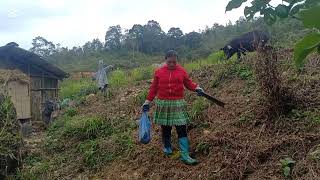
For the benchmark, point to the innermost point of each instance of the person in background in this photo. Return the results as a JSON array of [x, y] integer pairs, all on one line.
[[101, 77], [168, 86]]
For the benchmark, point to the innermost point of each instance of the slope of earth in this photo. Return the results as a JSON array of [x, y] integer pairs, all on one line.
[[98, 138], [231, 143]]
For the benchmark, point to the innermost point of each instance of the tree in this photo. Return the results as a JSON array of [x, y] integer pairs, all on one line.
[[153, 37], [113, 38], [307, 12], [193, 39], [135, 34], [42, 47], [174, 37], [94, 46]]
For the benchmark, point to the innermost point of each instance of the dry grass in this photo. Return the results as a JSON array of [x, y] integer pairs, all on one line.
[[13, 75]]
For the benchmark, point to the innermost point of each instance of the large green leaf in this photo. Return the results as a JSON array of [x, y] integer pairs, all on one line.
[[260, 4], [296, 9], [269, 16], [249, 12], [290, 161], [233, 4], [286, 171], [310, 17], [305, 47], [282, 11], [294, 1], [311, 3]]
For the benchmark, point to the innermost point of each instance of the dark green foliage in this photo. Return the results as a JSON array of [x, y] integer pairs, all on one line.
[[113, 38], [86, 127], [146, 44], [287, 165], [308, 12], [141, 97], [74, 89], [304, 47], [10, 140], [234, 4], [233, 69], [88, 90], [71, 112], [88, 142]]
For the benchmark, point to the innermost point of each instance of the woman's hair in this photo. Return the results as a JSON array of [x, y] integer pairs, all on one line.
[[171, 53]]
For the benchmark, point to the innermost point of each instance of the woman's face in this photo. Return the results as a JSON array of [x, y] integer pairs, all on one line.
[[171, 62]]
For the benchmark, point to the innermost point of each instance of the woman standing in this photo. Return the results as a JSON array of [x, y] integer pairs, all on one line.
[[168, 85]]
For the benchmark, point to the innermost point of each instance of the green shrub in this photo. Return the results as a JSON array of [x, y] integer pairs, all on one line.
[[244, 72], [9, 136], [90, 151], [86, 127], [71, 111], [198, 106], [118, 78], [287, 165], [216, 58], [84, 91], [76, 88], [142, 73], [192, 66], [39, 168]]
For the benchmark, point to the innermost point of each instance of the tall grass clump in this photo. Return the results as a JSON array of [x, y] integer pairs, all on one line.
[[192, 66], [118, 78], [142, 73], [86, 127], [214, 58], [80, 143], [198, 106], [76, 88]]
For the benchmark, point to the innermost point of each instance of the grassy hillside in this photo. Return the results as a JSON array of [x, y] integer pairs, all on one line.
[[97, 137]]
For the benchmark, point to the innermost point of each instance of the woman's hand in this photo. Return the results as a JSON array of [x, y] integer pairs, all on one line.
[[146, 106], [199, 91]]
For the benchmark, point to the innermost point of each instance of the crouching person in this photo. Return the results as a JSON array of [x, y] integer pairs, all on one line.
[[168, 86]]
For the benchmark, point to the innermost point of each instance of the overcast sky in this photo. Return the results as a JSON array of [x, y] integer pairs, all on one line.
[[74, 22]]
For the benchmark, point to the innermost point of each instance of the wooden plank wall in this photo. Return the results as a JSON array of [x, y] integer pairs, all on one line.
[[20, 96], [42, 89]]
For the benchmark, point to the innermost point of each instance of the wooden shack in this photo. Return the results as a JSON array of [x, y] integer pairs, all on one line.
[[43, 79]]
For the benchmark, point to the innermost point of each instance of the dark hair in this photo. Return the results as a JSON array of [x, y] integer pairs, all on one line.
[[171, 53]]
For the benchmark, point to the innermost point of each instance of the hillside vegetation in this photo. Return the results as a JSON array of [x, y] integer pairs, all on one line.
[[146, 44]]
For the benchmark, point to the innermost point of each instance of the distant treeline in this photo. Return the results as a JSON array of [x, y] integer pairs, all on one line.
[[146, 44]]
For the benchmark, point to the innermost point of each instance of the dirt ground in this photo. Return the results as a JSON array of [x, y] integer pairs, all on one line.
[[229, 142]]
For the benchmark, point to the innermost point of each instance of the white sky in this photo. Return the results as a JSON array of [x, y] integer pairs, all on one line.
[[74, 22]]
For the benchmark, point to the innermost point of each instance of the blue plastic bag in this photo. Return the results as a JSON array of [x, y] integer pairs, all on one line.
[[144, 129]]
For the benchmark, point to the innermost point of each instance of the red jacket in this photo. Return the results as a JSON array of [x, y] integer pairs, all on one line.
[[169, 84]]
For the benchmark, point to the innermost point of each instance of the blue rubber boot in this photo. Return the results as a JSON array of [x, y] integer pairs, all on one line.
[[184, 152], [167, 148]]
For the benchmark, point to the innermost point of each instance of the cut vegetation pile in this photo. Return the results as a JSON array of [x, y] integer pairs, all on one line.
[[99, 138], [13, 75]]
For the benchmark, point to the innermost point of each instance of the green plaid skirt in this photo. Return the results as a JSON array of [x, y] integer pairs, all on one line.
[[171, 113]]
